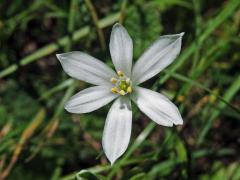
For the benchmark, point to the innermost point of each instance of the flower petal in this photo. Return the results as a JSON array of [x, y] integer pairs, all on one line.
[[86, 68], [157, 107], [117, 129], [121, 49], [157, 57], [90, 99]]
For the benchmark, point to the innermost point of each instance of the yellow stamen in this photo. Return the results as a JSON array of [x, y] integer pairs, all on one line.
[[113, 80], [129, 89], [123, 84], [127, 81], [120, 73], [114, 90], [122, 92]]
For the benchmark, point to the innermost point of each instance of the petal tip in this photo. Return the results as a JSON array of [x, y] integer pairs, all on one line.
[[69, 110], [180, 123], [112, 161], [59, 57], [110, 158], [181, 34], [117, 25], [67, 107]]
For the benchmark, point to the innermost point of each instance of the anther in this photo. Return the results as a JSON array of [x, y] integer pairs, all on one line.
[[120, 73], [113, 80], [127, 81], [114, 90], [122, 92], [129, 89]]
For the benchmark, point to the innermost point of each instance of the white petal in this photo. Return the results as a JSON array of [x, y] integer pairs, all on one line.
[[117, 129], [90, 99], [157, 57], [86, 68], [121, 49], [157, 107]]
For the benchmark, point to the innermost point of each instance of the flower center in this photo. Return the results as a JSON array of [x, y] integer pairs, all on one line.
[[123, 84]]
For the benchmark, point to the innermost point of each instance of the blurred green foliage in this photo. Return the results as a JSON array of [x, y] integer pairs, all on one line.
[[40, 140]]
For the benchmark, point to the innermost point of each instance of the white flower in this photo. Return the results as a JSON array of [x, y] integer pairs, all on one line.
[[123, 86]]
